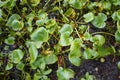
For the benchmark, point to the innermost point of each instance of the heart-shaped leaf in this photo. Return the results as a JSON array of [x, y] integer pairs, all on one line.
[[51, 58], [65, 39], [75, 53], [90, 54], [40, 34], [10, 40], [15, 23], [51, 25], [33, 53], [20, 66], [77, 4], [12, 18], [9, 66], [39, 63], [16, 55], [98, 40], [88, 17], [99, 21], [64, 74], [66, 28]]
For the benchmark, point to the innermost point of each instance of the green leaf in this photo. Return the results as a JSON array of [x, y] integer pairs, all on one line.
[[3, 3], [40, 34], [65, 39], [89, 77], [30, 18], [66, 28], [17, 25], [39, 63], [10, 40], [16, 55], [87, 36], [47, 72], [65, 74], [20, 66], [42, 18], [115, 2], [116, 15], [119, 64], [75, 53], [12, 18], [88, 17], [106, 5], [98, 40], [27, 76], [104, 51], [90, 54], [35, 2], [99, 21], [82, 28], [118, 26], [14, 22], [9, 66], [51, 58], [77, 4], [51, 25], [117, 36], [37, 44], [33, 53], [1, 13], [69, 12]]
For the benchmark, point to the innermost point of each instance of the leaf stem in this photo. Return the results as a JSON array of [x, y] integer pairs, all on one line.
[[103, 33], [77, 33]]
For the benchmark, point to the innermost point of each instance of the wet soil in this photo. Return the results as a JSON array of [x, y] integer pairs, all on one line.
[[107, 70]]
